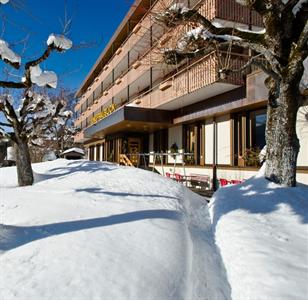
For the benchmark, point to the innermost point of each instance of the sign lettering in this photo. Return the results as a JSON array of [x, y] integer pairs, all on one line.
[[103, 114]]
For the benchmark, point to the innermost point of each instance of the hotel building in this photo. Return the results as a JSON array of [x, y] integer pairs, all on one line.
[[130, 102]]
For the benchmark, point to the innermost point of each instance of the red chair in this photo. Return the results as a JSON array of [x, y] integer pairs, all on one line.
[[168, 175], [223, 182], [178, 177], [234, 181]]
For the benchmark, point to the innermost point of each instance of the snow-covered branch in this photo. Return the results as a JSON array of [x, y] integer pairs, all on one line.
[[8, 55], [33, 73], [179, 14]]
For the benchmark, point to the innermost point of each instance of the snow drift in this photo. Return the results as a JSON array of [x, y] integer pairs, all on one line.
[[90, 230], [262, 232]]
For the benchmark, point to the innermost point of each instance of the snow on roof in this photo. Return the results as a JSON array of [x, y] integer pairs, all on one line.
[[60, 41], [75, 149], [43, 78], [7, 53]]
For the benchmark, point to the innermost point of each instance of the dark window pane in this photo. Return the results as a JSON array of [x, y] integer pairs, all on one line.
[[259, 130]]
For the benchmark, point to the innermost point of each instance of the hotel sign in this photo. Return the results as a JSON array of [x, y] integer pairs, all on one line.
[[103, 114]]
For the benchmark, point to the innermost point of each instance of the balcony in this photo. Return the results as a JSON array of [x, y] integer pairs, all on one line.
[[194, 83], [213, 9], [230, 11]]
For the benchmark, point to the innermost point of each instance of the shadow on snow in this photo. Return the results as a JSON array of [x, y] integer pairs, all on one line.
[[15, 236], [256, 196], [122, 194], [74, 167]]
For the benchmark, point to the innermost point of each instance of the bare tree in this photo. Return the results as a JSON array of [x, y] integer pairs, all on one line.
[[35, 108], [279, 50]]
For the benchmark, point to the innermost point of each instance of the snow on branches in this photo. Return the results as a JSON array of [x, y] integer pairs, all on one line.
[[205, 36], [34, 108], [59, 41], [33, 75], [8, 55], [39, 115], [43, 78]]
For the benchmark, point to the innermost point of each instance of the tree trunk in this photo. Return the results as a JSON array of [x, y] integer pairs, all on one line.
[[281, 138], [23, 163]]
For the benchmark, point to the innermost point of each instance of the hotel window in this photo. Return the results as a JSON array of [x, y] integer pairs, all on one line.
[[161, 143], [257, 128], [193, 137], [90, 100], [249, 137], [78, 113], [97, 93], [91, 152], [161, 140]]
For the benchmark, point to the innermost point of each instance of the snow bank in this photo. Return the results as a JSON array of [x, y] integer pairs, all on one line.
[[90, 230], [261, 230]]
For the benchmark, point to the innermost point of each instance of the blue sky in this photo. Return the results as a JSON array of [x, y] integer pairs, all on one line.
[[93, 21]]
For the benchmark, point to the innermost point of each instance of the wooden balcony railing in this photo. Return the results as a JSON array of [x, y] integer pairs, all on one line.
[[223, 9], [202, 73]]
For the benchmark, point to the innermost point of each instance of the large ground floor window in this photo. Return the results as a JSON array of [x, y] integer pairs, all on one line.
[[193, 140], [160, 144], [248, 137], [112, 147]]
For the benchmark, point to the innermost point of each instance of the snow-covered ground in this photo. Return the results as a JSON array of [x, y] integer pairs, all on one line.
[[88, 230], [262, 232]]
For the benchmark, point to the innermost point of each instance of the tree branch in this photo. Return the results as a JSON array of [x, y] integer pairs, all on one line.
[[12, 84], [303, 39], [256, 62], [258, 5], [174, 17], [5, 124]]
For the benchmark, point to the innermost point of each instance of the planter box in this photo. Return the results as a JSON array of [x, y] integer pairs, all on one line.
[[164, 39], [137, 64], [241, 162], [105, 93], [118, 81], [137, 101], [119, 51], [106, 68], [165, 85], [136, 28]]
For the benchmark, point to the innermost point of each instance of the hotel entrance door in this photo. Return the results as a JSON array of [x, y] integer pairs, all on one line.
[[134, 148]]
